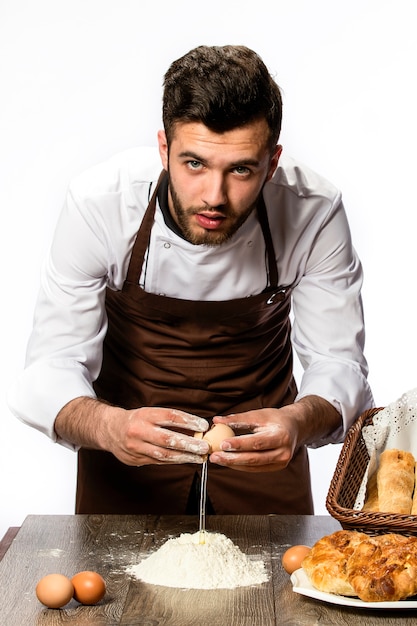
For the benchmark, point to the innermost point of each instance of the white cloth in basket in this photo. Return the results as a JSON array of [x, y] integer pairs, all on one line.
[[393, 427]]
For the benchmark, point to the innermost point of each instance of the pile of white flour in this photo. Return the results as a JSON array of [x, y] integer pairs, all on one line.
[[186, 563]]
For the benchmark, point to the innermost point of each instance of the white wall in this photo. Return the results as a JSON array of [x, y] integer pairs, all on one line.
[[81, 79]]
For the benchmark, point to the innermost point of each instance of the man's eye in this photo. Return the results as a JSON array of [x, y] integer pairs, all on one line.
[[194, 165], [242, 170]]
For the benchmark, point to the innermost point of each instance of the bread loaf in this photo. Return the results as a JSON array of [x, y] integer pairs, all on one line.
[[391, 488], [371, 499], [414, 505], [395, 481]]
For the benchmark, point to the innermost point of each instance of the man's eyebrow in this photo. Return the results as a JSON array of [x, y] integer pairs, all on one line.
[[191, 155], [241, 163]]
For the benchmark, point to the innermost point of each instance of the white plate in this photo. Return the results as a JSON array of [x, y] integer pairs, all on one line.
[[302, 585]]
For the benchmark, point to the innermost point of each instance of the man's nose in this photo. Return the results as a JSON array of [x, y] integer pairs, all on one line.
[[215, 193]]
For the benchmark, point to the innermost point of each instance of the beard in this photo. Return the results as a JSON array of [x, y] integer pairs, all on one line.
[[197, 235]]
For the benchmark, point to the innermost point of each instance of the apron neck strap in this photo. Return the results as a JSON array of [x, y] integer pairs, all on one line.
[[143, 236], [266, 231]]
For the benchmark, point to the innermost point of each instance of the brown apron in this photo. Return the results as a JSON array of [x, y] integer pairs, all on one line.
[[207, 358]]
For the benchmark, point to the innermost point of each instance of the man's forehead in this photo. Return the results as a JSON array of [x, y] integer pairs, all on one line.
[[244, 145]]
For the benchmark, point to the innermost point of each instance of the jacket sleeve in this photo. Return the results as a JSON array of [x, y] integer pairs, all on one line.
[[328, 328]]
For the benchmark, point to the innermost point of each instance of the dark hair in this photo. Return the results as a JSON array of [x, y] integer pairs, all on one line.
[[223, 87]]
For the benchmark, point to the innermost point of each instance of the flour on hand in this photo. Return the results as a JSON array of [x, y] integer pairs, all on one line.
[[184, 562]]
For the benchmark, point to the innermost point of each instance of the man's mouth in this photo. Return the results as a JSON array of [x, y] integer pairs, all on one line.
[[209, 221]]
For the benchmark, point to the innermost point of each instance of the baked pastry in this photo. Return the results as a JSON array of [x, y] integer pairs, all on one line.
[[395, 478], [326, 564], [384, 568], [376, 569]]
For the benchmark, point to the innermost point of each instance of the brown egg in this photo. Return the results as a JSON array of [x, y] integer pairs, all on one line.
[[293, 557], [216, 434], [89, 587], [54, 590]]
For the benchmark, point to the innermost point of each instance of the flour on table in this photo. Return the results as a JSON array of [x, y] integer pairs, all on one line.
[[184, 562]]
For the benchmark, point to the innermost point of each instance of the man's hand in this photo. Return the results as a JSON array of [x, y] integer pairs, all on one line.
[[141, 436], [271, 436]]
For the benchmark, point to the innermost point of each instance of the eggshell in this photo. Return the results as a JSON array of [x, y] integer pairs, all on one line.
[[293, 557], [89, 587], [216, 434], [54, 590]]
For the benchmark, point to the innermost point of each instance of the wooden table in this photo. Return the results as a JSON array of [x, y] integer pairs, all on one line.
[[109, 544]]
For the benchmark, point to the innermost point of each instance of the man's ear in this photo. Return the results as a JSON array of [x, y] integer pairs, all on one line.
[[274, 161], [163, 148]]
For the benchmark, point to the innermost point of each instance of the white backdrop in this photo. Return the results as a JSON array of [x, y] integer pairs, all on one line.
[[82, 79]]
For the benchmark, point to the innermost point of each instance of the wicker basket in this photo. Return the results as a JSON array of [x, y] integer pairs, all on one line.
[[347, 479]]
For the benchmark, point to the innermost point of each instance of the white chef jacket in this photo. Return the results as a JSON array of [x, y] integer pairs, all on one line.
[[91, 250]]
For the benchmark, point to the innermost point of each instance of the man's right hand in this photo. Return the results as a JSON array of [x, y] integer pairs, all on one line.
[[144, 436]]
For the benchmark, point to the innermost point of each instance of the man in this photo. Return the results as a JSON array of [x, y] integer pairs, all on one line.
[[165, 301]]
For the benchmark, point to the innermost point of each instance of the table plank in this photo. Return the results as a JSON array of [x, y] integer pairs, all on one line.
[[111, 544], [7, 540]]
